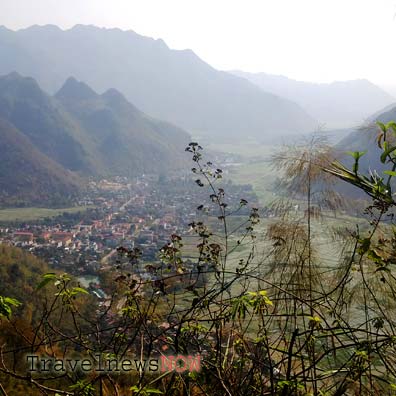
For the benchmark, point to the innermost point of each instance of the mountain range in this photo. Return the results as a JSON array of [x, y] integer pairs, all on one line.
[[364, 139], [50, 143], [57, 130], [341, 104], [172, 85]]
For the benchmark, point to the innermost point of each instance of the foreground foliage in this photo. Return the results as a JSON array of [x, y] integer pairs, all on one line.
[[272, 322]]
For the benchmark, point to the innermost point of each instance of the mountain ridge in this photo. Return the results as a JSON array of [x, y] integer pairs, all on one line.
[[339, 104], [78, 134], [173, 85]]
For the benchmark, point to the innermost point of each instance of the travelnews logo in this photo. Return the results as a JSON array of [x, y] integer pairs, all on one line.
[[99, 363]]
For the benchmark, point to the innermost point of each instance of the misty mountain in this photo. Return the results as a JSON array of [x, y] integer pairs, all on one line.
[[341, 104], [47, 141], [364, 139], [27, 176], [124, 140], [89, 133], [173, 85], [44, 122], [381, 114]]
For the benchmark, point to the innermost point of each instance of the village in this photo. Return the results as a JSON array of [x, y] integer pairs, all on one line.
[[142, 213]]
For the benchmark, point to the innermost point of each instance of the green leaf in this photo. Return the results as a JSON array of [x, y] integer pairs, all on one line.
[[382, 126], [356, 154], [387, 152], [47, 278], [49, 275], [391, 125], [145, 391], [5, 306], [80, 290], [390, 173], [12, 301]]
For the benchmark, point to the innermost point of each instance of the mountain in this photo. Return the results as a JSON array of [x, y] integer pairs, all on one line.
[[173, 85], [44, 122], [27, 176], [88, 133], [384, 115], [49, 144], [364, 139], [341, 104], [124, 140]]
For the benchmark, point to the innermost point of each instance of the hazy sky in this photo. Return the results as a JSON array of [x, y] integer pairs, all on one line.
[[312, 40]]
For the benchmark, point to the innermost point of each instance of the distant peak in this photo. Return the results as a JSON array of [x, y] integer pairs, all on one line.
[[75, 90], [93, 28], [46, 28], [80, 26], [113, 93], [21, 86], [13, 76], [116, 99]]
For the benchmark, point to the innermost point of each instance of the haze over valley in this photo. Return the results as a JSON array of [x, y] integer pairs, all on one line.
[[340, 104], [153, 101], [197, 198]]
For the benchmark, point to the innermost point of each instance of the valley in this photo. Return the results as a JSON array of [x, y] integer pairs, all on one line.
[[156, 207]]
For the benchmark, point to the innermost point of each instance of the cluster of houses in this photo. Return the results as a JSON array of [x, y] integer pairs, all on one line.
[[143, 214], [130, 216]]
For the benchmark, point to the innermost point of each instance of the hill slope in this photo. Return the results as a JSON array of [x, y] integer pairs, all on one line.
[[27, 176], [340, 104], [94, 135], [49, 144], [39, 117], [364, 138], [20, 273], [124, 140], [176, 86]]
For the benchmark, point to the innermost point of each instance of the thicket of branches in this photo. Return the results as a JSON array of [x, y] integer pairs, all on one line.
[[265, 307]]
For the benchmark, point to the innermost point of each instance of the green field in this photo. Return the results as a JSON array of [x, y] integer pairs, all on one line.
[[248, 150], [30, 214], [255, 167], [259, 175]]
